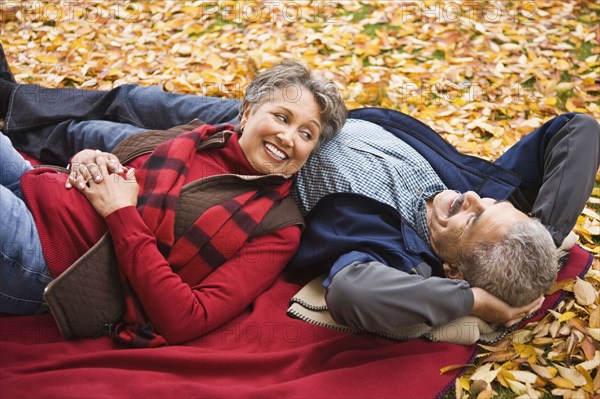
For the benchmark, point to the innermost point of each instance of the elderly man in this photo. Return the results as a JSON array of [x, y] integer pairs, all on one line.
[[393, 228], [389, 248]]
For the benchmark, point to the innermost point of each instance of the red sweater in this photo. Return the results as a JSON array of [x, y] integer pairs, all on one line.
[[69, 226]]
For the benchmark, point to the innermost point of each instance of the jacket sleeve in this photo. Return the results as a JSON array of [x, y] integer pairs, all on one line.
[[180, 312], [373, 296]]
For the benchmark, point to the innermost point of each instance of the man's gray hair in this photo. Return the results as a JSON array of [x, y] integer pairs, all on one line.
[[294, 74], [517, 269]]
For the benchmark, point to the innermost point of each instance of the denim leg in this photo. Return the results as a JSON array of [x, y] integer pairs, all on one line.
[[557, 164], [38, 119], [23, 271], [13, 165], [75, 136]]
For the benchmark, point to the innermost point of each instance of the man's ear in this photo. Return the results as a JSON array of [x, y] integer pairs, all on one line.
[[452, 271]]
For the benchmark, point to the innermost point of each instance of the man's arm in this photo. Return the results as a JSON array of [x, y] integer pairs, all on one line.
[[373, 296]]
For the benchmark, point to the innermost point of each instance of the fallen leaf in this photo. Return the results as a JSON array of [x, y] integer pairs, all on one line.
[[454, 367], [485, 373], [585, 294], [572, 375], [562, 382], [566, 316], [544, 372], [524, 376]]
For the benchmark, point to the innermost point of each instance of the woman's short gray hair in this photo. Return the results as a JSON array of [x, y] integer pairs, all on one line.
[[517, 269], [293, 73]]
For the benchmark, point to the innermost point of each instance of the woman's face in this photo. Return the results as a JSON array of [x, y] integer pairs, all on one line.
[[280, 133]]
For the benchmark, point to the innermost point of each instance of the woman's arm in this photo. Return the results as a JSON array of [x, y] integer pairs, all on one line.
[[180, 312]]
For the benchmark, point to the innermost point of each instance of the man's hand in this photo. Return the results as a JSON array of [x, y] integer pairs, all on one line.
[[112, 191], [493, 310], [84, 167]]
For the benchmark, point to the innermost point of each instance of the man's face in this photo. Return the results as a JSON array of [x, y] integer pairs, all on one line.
[[458, 222]]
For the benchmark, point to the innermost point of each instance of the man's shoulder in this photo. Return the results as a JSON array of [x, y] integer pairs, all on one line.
[[344, 222], [352, 217]]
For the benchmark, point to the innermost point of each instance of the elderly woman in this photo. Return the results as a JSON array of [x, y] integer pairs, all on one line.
[[187, 280]]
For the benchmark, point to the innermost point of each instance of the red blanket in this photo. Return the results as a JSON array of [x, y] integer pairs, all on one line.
[[262, 353]]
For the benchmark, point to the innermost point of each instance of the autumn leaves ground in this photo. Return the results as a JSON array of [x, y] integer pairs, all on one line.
[[482, 73]]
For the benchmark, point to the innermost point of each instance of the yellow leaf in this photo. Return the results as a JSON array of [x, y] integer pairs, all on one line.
[[565, 285], [563, 65], [562, 383], [464, 383], [566, 316], [572, 375], [454, 367], [544, 372], [516, 387], [570, 106], [47, 59], [525, 351], [214, 61]]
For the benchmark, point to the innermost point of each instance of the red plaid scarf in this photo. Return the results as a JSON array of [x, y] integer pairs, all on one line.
[[215, 236]]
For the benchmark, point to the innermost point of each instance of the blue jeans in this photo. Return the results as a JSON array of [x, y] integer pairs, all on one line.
[[50, 124], [23, 271]]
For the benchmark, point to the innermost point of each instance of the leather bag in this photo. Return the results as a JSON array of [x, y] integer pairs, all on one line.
[[86, 300]]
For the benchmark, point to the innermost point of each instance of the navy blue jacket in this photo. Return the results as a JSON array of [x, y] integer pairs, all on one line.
[[363, 229]]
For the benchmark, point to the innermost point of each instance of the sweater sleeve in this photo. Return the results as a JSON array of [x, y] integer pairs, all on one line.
[[375, 297], [180, 312]]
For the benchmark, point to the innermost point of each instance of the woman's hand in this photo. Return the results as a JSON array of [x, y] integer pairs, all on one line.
[[112, 191], [493, 310], [84, 168]]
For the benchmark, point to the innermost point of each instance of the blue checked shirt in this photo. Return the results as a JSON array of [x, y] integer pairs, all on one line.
[[366, 159]]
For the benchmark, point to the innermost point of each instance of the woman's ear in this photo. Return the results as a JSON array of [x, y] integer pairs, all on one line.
[[452, 271], [245, 115]]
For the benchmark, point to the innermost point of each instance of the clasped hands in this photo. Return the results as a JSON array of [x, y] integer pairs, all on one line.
[[101, 178]]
